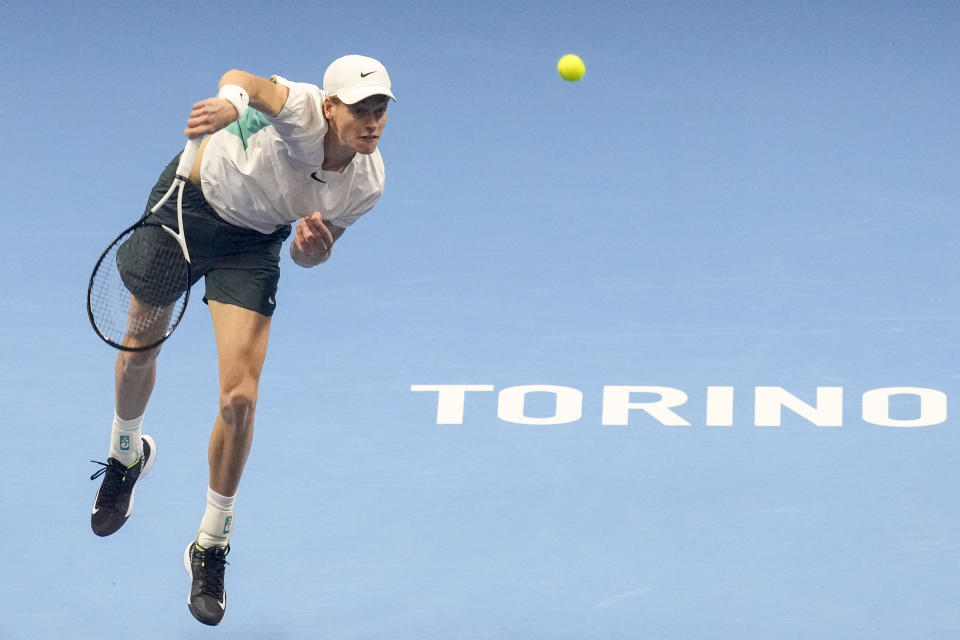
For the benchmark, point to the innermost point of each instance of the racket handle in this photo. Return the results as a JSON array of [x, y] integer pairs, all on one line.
[[188, 156]]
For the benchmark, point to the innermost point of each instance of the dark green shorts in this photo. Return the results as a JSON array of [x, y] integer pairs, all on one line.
[[239, 266]]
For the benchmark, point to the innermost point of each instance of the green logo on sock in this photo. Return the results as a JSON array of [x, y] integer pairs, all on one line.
[[226, 524], [124, 443]]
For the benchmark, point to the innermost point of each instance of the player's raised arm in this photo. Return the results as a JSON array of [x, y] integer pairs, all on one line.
[[266, 96], [238, 89]]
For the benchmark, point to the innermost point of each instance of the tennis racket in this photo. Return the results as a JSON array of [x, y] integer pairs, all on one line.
[[140, 286]]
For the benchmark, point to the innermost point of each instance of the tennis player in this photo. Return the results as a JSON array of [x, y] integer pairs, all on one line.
[[276, 153]]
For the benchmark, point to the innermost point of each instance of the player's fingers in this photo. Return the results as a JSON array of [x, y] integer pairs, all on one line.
[[326, 234], [195, 132], [305, 232], [199, 124], [321, 240], [209, 116], [319, 228], [199, 109], [311, 222], [321, 245]]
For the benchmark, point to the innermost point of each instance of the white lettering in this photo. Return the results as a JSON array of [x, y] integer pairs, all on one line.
[[568, 404], [617, 405], [915, 407], [719, 406], [450, 399], [768, 402], [876, 407]]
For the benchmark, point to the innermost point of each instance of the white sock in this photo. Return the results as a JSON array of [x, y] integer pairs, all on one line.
[[126, 445], [217, 523]]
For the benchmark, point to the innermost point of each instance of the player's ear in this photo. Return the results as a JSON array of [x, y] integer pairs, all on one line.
[[328, 104]]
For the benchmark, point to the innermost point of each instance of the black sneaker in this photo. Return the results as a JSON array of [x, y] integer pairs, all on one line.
[[208, 597], [114, 501]]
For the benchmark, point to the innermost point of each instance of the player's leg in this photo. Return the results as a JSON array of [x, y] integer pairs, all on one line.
[[241, 285], [136, 371], [131, 454], [242, 337]]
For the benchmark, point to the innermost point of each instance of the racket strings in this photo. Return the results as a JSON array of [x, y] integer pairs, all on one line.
[[138, 292]]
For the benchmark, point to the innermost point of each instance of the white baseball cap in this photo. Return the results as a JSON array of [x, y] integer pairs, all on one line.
[[353, 78]]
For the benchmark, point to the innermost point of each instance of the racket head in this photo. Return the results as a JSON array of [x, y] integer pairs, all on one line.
[[139, 288]]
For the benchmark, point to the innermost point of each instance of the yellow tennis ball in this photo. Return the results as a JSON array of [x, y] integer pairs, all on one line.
[[571, 67]]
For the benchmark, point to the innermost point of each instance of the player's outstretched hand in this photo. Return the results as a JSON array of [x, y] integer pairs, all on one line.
[[312, 241], [209, 116]]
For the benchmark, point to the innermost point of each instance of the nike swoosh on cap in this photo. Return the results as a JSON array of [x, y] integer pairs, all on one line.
[[364, 75]]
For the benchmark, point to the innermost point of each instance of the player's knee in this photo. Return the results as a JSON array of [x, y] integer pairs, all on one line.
[[138, 359], [237, 403]]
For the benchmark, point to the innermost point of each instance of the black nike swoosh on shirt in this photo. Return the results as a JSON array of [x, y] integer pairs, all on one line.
[[314, 176]]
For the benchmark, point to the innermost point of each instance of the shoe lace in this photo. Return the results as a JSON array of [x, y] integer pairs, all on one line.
[[212, 563], [115, 472]]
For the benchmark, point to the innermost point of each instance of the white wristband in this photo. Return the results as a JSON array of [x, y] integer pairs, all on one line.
[[237, 96]]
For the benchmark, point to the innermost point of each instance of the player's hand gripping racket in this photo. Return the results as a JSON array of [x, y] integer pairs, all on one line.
[[141, 283]]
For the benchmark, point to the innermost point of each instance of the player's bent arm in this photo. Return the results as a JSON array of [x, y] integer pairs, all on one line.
[[210, 115], [265, 96]]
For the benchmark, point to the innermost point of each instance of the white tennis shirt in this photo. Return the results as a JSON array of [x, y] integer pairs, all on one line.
[[262, 172]]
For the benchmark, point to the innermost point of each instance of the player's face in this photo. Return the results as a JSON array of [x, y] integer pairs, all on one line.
[[359, 125]]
